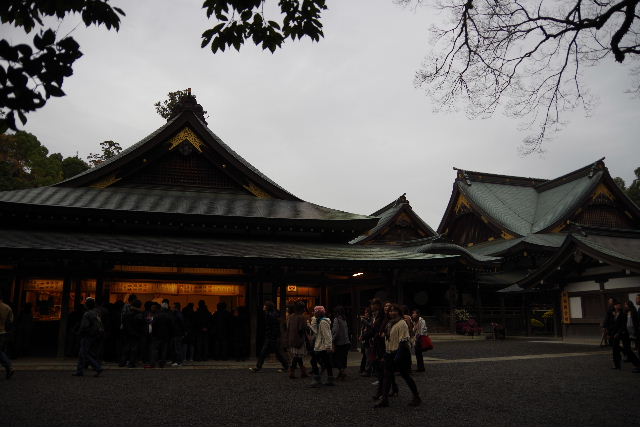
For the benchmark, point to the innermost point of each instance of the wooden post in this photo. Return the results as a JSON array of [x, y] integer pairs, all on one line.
[[556, 315], [479, 304], [100, 290], [252, 304], [64, 316], [453, 292], [525, 308], [503, 314], [355, 313], [398, 287], [77, 296]]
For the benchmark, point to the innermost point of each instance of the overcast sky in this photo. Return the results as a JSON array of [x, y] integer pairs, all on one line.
[[338, 123]]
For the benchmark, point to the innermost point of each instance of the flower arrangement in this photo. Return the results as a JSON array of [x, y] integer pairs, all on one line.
[[461, 314]]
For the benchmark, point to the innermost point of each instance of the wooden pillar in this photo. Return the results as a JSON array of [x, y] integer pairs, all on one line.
[[503, 314], [324, 297], [252, 304], [64, 316], [77, 296], [100, 290], [556, 316], [453, 292], [355, 313], [526, 311], [399, 288]]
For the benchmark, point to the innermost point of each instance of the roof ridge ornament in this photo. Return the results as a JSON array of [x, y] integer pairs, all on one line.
[[462, 174], [186, 103], [598, 164]]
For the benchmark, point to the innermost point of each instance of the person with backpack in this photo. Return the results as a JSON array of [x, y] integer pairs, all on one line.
[[6, 322], [91, 331]]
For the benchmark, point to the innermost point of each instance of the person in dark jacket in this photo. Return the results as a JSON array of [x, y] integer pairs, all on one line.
[[131, 334], [238, 335], [607, 322], [201, 320], [295, 338], [179, 332], [619, 333], [272, 336], [341, 341], [221, 321], [189, 341], [161, 334], [91, 330], [633, 328]]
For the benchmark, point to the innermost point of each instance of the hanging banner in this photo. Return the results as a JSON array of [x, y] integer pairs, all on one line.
[[566, 308]]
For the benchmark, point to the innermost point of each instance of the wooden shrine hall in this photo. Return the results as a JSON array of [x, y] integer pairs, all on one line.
[[180, 215]]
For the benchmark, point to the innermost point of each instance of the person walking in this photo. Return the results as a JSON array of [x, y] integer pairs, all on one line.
[[365, 327], [91, 331], [420, 329], [323, 346], [6, 320], [341, 342], [397, 357], [132, 334], [271, 338], [631, 315], [295, 338], [618, 333]]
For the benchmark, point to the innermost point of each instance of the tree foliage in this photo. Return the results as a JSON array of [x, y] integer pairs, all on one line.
[[633, 190], [240, 20], [31, 74], [25, 162], [72, 166], [108, 149], [525, 56], [167, 107]]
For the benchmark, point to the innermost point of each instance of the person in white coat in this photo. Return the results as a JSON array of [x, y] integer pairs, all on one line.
[[320, 326], [419, 329]]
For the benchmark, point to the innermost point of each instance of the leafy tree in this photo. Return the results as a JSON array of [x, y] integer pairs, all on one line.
[[25, 162], [109, 149], [633, 191], [72, 166], [166, 108], [240, 20], [30, 75]]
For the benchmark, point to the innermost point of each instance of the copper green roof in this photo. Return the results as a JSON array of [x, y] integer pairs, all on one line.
[[525, 209]]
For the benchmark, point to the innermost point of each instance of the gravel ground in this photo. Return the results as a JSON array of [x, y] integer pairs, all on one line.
[[559, 391]]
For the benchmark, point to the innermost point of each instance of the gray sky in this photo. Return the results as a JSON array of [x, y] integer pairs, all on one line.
[[338, 123]]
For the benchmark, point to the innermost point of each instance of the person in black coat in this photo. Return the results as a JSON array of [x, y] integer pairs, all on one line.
[[271, 338], [221, 321], [619, 333], [201, 322], [162, 329]]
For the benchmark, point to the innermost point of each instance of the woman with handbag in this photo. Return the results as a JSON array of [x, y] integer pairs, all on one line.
[[397, 357], [420, 330]]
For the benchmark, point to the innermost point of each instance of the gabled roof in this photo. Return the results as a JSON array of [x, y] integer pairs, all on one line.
[[500, 247], [620, 248], [191, 123], [521, 206], [390, 213]]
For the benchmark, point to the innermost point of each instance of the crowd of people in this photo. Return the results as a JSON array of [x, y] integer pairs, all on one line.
[[158, 334], [621, 328], [387, 335]]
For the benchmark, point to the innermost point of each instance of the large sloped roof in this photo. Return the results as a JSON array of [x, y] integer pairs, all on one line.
[[186, 119], [502, 246], [14, 241], [387, 214], [523, 206], [619, 248], [173, 202]]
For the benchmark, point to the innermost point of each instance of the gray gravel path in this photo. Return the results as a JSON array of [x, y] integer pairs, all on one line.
[[558, 391]]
